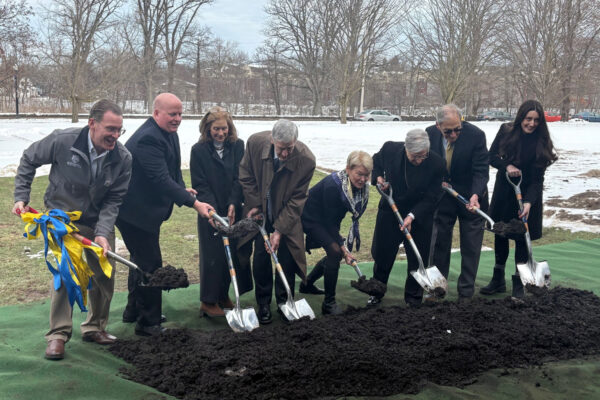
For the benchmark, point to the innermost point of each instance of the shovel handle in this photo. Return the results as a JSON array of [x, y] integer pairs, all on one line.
[[454, 193], [356, 269]]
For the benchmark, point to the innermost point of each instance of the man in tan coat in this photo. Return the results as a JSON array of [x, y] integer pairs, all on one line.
[[275, 173]]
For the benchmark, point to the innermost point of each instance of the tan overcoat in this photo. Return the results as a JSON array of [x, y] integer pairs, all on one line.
[[290, 191]]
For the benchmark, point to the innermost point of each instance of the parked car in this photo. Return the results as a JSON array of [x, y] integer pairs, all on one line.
[[587, 116], [376, 115], [495, 116], [552, 117]]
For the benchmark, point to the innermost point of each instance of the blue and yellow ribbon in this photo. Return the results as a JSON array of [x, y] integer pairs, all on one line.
[[71, 268]]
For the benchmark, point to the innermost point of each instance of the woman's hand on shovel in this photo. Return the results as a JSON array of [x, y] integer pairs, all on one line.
[[525, 212], [513, 171], [103, 242]]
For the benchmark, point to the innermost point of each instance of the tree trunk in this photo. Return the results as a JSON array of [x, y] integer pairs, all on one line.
[[343, 107], [74, 109]]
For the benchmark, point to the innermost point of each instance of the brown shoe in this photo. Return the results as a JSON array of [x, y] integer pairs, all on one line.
[[100, 337], [226, 303], [55, 350], [211, 310]]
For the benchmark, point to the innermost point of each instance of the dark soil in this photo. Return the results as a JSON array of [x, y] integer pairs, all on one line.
[[169, 278], [239, 229], [514, 229], [371, 287], [588, 200], [369, 352]]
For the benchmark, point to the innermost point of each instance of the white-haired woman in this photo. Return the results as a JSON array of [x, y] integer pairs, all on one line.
[[328, 202], [415, 175]]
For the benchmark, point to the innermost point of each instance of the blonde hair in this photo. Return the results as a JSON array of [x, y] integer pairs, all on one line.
[[359, 158], [213, 114]]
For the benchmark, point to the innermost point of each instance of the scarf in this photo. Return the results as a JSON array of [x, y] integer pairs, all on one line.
[[356, 204]]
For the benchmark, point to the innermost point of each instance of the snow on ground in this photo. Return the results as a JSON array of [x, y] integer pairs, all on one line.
[[578, 145]]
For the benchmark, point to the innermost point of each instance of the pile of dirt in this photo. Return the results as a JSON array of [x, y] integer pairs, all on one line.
[[514, 229], [588, 200], [369, 352], [169, 278], [371, 286]]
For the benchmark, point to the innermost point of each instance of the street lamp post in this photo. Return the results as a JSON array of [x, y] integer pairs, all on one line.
[[16, 68]]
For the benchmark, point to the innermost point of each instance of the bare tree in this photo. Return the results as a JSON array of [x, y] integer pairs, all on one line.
[[74, 26], [457, 38], [195, 53], [366, 27], [269, 55], [179, 16], [307, 30], [16, 44]]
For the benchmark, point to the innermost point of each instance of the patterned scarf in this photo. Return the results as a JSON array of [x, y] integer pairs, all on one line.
[[356, 203]]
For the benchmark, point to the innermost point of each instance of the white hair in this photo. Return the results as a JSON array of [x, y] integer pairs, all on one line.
[[416, 141], [446, 112], [284, 131]]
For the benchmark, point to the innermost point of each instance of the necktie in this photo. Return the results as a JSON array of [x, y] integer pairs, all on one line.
[[449, 151]]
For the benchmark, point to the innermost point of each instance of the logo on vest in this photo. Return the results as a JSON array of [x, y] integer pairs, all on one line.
[[74, 161]]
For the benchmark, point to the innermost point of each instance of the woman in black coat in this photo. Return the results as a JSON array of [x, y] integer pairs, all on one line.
[[524, 149], [327, 204], [214, 165], [415, 175]]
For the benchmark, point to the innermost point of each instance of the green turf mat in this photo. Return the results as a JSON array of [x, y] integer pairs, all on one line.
[[90, 372]]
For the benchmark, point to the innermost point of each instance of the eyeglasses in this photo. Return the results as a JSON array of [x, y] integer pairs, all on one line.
[[419, 157], [448, 132], [114, 130]]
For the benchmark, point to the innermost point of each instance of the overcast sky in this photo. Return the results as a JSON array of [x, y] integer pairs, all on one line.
[[239, 21]]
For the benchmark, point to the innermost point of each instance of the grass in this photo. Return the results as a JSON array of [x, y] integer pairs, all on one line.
[[25, 279]]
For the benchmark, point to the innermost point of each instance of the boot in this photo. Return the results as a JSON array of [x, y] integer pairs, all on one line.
[[330, 277], [315, 274], [517, 290], [497, 284]]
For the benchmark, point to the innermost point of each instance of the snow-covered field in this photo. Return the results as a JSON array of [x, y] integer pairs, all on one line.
[[578, 145]]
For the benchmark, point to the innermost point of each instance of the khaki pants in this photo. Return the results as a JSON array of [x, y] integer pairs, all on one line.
[[99, 297]]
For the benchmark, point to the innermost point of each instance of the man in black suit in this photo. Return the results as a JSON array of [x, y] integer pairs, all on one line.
[[463, 147], [156, 184], [415, 175]]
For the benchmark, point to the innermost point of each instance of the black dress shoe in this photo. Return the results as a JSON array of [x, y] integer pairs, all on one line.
[[282, 315], [264, 314], [129, 318], [310, 289], [151, 330], [373, 301]]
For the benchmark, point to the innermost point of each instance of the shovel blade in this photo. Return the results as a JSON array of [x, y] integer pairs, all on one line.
[[432, 281], [294, 310], [535, 273], [241, 320]]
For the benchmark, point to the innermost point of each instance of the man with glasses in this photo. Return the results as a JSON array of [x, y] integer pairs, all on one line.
[[156, 185], [415, 175], [90, 173], [463, 147]]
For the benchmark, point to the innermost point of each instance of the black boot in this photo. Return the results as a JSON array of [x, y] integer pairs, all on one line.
[[330, 276], [497, 284], [517, 290], [315, 274]]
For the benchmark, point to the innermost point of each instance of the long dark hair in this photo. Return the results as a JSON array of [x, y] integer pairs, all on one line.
[[510, 150]]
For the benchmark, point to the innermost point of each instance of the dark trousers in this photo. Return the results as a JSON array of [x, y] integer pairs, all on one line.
[[214, 270], [471, 238], [263, 272], [144, 250], [328, 267], [387, 238], [501, 249]]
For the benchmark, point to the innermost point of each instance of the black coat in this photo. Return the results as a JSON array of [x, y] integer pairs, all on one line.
[[325, 207], [156, 181], [504, 205], [215, 178], [415, 189], [469, 170]]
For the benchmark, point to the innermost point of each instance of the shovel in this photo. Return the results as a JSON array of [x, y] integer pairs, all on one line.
[[291, 309], [430, 279], [511, 230], [145, 276], [372, 287], [240, 320], [531, 273]]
